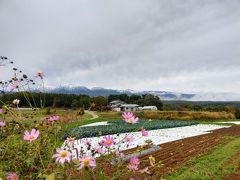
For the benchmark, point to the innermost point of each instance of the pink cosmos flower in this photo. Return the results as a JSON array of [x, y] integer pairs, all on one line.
[[40, 74], [12, 176], [1, 111], [31, 136], [144, 132], [62, 156], [129, 118], [132, 120], [15, 85], [107, 141], [127, 115], [2, 123], [87, 161], [119, 154], [70, 141], [128, 139], [53, 118], [87, 142], [134, 163], [98, 149]]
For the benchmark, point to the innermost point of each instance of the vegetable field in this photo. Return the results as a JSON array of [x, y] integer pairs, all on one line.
[[119, 126]]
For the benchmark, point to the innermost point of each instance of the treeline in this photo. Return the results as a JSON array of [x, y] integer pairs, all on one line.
[[47, 99], [99, 103]]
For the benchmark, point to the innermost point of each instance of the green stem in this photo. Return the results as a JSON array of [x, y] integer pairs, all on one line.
[[40, 157], [44, 96], [25, 96]]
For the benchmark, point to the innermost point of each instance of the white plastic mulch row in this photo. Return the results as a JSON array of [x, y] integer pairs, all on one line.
[[231, 122], [96, 124], [159, 136]]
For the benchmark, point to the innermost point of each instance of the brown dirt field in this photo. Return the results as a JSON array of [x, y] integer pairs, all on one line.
[[174, 154], [233, 176]]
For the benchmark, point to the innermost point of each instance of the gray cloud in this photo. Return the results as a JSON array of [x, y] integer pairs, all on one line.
[[143, 45]]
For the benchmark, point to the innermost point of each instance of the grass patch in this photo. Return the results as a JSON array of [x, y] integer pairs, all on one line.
[[174, 115], [18, 155], [76, 124], [185, 115], [110, 115], [210, 166]]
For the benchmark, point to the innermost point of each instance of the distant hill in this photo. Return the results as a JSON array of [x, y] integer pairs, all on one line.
[[164, 95]]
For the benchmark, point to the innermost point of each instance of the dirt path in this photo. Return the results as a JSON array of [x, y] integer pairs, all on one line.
[[93, 114]]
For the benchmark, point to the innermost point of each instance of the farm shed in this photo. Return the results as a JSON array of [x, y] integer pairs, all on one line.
[[149, 108], [129, 107]]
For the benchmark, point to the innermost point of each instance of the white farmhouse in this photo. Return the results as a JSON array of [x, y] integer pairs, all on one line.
[[129, 107], [116, 105], [149, 108]]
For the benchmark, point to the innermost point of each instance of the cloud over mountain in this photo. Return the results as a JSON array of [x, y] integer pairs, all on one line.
[[190, 46]]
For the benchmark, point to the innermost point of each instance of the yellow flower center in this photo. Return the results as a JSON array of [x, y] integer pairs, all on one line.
[[152, 159], [14, 177], [108, 142], [86, 161], [31, 137], [63, 154]]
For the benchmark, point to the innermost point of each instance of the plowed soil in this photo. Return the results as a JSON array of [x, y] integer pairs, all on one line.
[[176, 153]]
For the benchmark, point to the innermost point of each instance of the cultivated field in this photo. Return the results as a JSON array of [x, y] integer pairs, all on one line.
[[180, 159]]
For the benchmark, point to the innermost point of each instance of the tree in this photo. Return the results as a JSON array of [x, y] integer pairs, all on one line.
[[100, 102], [134, 98], [75, 104], [124, 97], [81, 112], [85, 102], [113, 97], [151, 100], [196, 108], [230, 109], [237, 113]]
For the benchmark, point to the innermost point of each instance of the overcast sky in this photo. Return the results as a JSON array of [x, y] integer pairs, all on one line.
[[184, 46]]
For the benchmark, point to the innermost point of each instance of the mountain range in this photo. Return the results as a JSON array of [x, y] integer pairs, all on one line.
[[164, 95]]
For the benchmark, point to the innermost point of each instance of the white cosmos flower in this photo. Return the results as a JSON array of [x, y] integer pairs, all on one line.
[[16, 101]]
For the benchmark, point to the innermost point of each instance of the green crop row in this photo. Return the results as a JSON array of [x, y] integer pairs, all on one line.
[[119, 126]]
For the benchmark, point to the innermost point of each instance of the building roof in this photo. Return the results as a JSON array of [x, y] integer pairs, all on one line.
[[117, 101], [149, 106], [116, 105], [129, 105]]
